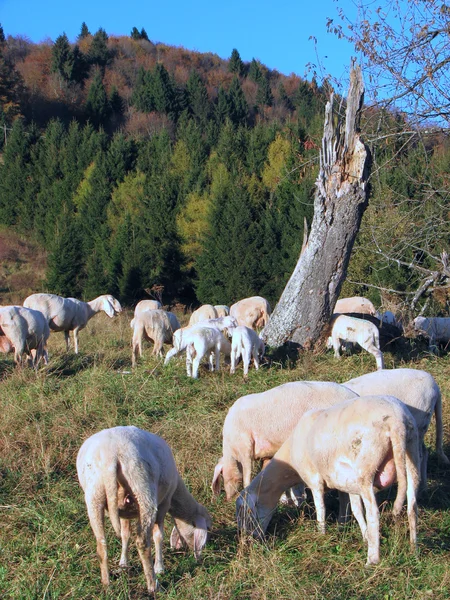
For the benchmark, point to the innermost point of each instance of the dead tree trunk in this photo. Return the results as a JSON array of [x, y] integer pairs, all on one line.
[[341, 197]]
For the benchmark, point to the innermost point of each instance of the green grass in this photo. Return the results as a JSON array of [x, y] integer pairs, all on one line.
[[47, 549]]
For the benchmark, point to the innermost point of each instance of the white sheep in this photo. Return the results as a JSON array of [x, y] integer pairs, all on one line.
[[419, 391], [251, 312], [357, 331], [358, 447], [132, 474], [146, 305], [152, 325], [204, 341], [205, 312], [70, 314], [436, 329], [181, 336], [24, 331], [355, 304], [257, 425], [222, 310], [246, 342]]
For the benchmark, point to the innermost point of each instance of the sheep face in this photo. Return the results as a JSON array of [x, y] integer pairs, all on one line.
[[193, 536], [251, 517]]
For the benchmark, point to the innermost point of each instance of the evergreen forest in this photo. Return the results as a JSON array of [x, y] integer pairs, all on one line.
[[140, 166]]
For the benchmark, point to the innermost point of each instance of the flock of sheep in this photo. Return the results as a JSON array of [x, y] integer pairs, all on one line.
[[358, 437]]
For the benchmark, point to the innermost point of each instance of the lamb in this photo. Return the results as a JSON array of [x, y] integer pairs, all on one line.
[[251, 312], [132, 474], [419, 391], [364, 333], [257, 425], [355, 304], [180, 338], [24, 331], [358, 447], [222, 310], [205, 312], [153, 325], [204, 341], [70, 314], [246, 342], [146, 305], [437, 329]]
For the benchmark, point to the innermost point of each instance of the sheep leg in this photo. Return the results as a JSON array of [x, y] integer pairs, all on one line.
[[158, 536], [246, 357], [189, 350], [234, 359], [246, 469], [67, 338], [319, 503], [255, 353], [344, 508], [217, 356], [357, 509], [96, 513], [75, 338], [195, 366], [145, 553], [336, 347], [373, 525], [125, 530]]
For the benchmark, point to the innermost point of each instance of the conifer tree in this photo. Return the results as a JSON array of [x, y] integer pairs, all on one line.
[[84, 31], [97, 105], [144, 35], [142, 95], [198, 100], [62, 57], [80, 65], [13, 173], [222, 108], [2, 35], [238, 104], [235, 64], [98, 52], [264, 96], [254, 72], [163, 91], [135, 35]]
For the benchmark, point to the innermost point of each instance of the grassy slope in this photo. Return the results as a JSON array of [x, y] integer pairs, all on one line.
[[47, 549]]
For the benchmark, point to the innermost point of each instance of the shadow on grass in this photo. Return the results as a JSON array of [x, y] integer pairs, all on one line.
[[70, 364], [287, 355]]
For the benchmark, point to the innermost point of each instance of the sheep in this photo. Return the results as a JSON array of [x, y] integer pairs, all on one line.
[[222, 310], [364, 333], [358, 447], [146, 305], [355, 304], [257, 425], [246, 342], [180, 338], [419, 391], [437, 329], [205, 341], [205, 312], [153, 325], [132, 474], [24, 331], [251, 312], [70, 314]]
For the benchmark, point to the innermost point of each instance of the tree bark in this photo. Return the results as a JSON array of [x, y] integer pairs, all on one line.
[[341, 196]]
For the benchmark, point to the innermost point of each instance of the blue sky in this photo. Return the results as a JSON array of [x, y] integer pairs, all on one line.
[[276, 33]]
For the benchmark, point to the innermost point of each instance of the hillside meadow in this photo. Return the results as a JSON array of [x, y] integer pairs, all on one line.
[[47, 549]]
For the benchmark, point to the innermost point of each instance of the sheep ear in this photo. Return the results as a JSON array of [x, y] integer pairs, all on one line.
[[215, 485], [108, 308], [176, 541], [200, 537]]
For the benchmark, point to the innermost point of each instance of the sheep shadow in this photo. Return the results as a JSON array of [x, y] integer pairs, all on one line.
[[68, 365]]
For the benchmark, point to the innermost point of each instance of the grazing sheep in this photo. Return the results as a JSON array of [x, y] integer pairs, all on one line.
[[246, 342], [257, 425], [132, 474], [146, 305], [358, 447], [205, 312], [24, 331], [251, 312], [436, 329], [153, 325], [355, 304], [419, 391], [70, 314], [364, 333], [205, 341], [222, 310]]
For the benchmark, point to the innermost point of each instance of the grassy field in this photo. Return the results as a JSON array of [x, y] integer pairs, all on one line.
[[47, 549]]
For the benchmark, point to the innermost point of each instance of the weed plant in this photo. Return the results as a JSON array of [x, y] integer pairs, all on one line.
[[47, 549]]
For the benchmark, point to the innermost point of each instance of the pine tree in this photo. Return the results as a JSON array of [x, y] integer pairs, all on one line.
[[2, 35], [163, 91], [144, 35], [98, 52], [238, 103], [97, 105], [115, 101], [135, 35], [84, 31], [13, 173], [142, 95], [62, 57], [254, 72], [264, 96], [235, 64], [80, 65], [198, 100], [223, 107]]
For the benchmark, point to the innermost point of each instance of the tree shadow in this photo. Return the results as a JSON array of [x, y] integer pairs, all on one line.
[[286, 355]]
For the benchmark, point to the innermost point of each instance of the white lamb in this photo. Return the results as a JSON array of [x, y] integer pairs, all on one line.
[[24, 331], [257, 425], [204, 341], [132, 474], [253, 312], [146, 305], [420, 392], [246, 342], [358, 447], [355, 304], [152, 325], [222, 310], [437, 329], [357, 331], [70, 314], [205, 312]]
